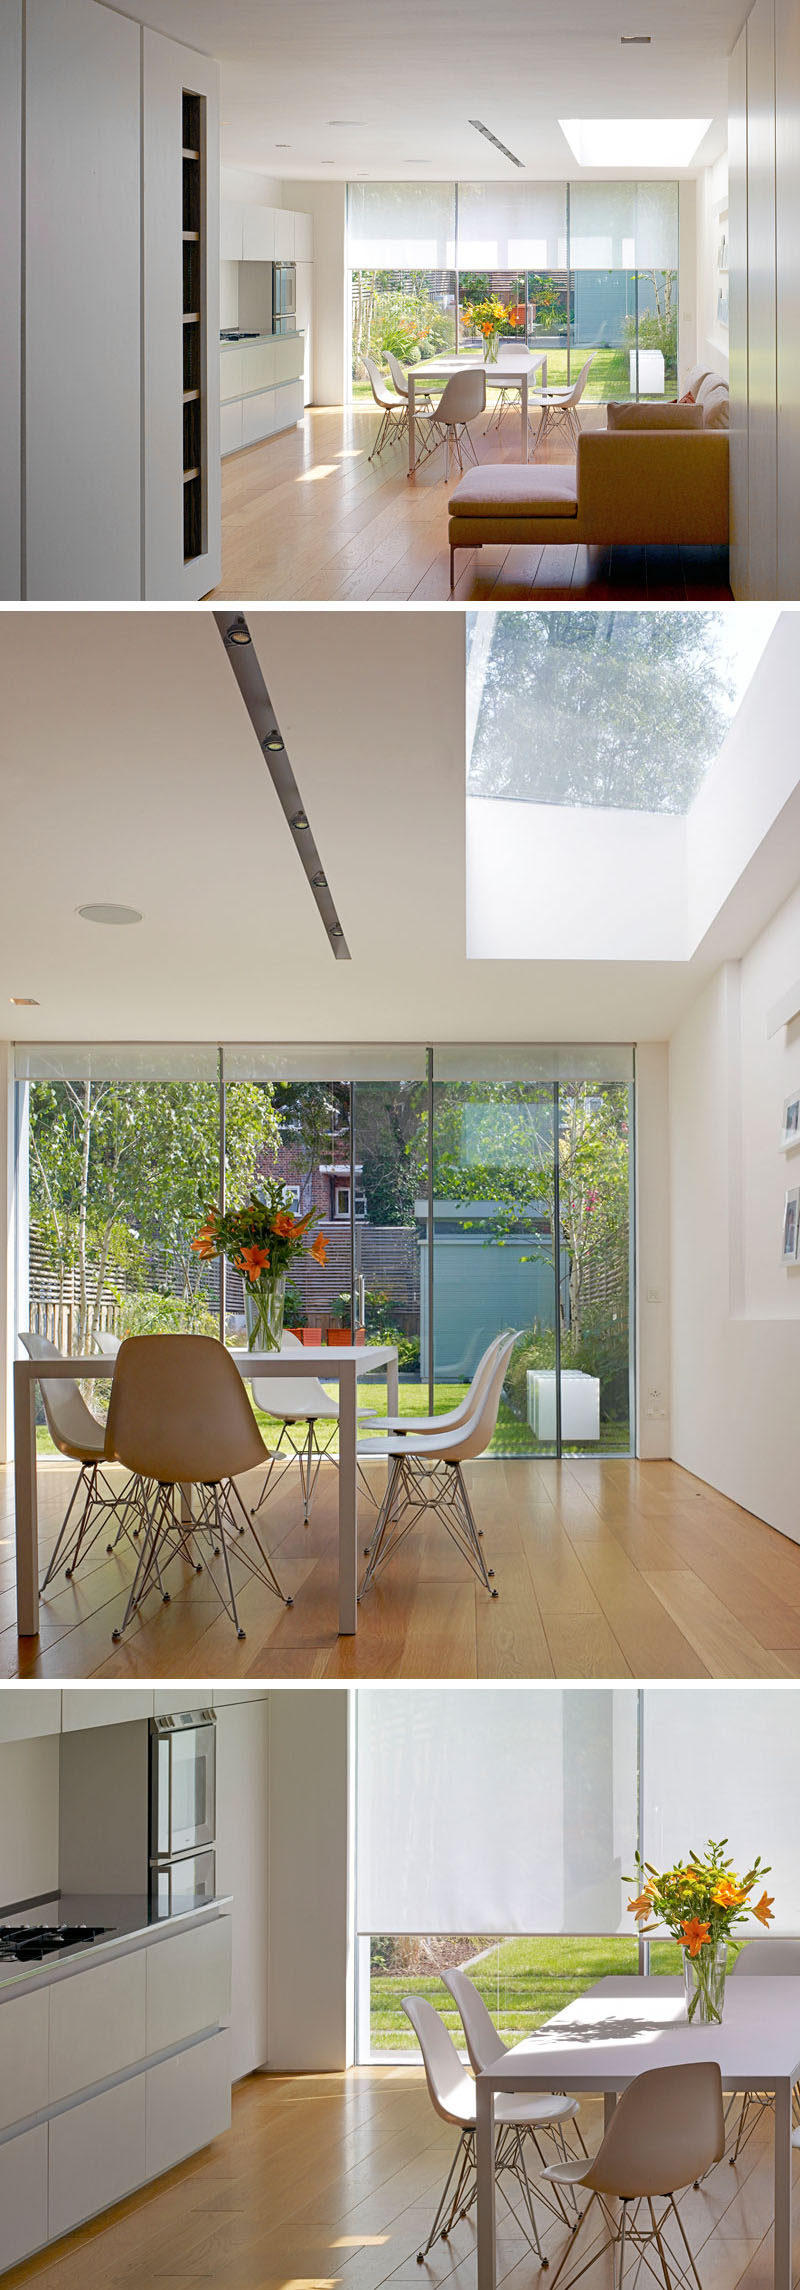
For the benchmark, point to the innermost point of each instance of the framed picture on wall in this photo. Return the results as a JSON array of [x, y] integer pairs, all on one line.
[[791, 1121], [791, 1225]]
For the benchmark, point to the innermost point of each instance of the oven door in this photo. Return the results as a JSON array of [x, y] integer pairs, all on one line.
[[178, 1885], [289, 293], [182, 1783]]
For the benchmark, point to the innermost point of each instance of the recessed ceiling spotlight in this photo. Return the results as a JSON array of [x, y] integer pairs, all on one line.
[[327, 162], [347, 123], [319, 882], [238, 633], [109, 914], [635, 39], [336, 930], [273, 744], [24, 1001], [298, 821], [283, 146]]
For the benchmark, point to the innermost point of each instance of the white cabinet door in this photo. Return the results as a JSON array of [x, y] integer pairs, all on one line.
[[258, 234], [230, 373], [169, 1704], [288, 405], [231, 231], [224, 1696], [258, 366], [288, 359], [104, 1705], [188, 2102], [27, 1711], [82, 302], [97, 2154], [284, 235], [243, 1871], [230, 428], [10, 299], [23, 2195], [258, 417], [188, 1983], [97, 2023], [303, 238], [24, 2024], [305, 324]]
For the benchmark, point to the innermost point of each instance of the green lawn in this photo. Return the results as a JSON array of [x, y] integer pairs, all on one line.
[[523, 1981]]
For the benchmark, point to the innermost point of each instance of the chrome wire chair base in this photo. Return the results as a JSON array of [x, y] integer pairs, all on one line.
[[640, 2238], [168, 1535], [459, 2193], [550, 415], [505, 395], [309, 1453], [77, 1535], [391, 429], [416, 1485]]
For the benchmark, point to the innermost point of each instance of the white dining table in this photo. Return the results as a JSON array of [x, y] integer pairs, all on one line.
[[342, 1364], [621, 2026], [516, 367]]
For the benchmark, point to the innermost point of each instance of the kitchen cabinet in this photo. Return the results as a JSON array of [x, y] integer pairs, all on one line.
[[243, 1870], [284, 234], [98, 2022], [223, 1697], [258, 234], [169, 1704], [97, 2154], [231, 372], [24, 2054], [188, 1983], [104, 1705], [23, 2194], [304, 288], [231, 231], [28, 1711], [303, 238], [82, 302], [188, 2102], [258, 417], [230, 428]]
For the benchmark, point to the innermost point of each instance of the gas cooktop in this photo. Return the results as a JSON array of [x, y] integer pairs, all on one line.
[[29, 1943]]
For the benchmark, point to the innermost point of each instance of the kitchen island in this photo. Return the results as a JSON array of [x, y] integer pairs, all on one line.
[[114, 2056], [261, 388]]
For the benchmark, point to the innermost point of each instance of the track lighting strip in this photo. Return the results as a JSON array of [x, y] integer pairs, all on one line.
[[495, 139], [244, 661]]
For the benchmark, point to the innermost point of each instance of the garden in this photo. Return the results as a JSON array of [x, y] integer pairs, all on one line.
[[523, 1981]]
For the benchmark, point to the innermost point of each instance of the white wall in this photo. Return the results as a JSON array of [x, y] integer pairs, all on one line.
[[689, 282], [736, 1309], [765, 301], [310, 2023], [712, 339], [652, 1250], [626, 872], [326, 203], [10, 298], [29, 1825]]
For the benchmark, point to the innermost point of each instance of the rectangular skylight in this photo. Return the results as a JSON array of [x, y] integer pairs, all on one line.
[[615, 710], [634, 142]]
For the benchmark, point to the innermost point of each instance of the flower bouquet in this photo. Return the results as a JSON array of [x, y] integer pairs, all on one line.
[[491, 319], [261, 1240], [699, 1901]]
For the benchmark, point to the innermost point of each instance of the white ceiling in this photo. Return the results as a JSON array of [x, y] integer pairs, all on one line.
[[411, 77], [129, 773]]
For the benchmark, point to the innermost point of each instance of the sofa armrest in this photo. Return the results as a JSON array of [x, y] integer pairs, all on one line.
[[655, 486], [644, 416]]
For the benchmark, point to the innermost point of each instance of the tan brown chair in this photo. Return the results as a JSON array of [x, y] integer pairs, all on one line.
[[76, 1432], [180, 1417], [667, 2130]]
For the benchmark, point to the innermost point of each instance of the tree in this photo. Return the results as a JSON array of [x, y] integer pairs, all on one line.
[[619, 709], [121, 1171]]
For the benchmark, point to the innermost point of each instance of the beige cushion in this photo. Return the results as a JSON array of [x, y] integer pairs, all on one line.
[[716, 408], [695, 376], [517, 489], [644, 416]]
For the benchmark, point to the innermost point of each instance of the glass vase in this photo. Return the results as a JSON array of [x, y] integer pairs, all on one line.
[[492, 347], [264, 1302], [704, 1982]]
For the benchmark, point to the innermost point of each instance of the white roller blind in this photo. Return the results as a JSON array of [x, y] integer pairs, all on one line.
[[512, 226], [623, 226], [401, 226], [723, 1761], [324, 1061], [533, 1062], [499, 1811], [116, 1061]]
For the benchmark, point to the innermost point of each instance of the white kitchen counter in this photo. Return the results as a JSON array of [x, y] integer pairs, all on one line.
[[131, 1919], [261, 388]]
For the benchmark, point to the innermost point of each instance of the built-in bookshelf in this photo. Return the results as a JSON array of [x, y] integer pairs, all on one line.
[[194, 427]]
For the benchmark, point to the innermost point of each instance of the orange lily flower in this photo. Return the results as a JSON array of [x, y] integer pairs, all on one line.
[[727, 1894], [253, 1261], [640, 1908], [319, 1248], [283, 1225], [763, 1908], [695, 1934], [204, 1245]]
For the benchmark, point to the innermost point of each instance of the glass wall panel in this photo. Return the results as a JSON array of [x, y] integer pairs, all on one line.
[[523, 1980], [623, 251], [390, 1120], [410, 312], [300, 1138]]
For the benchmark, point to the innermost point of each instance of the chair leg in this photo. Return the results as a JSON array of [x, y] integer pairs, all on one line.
[[452, 568]]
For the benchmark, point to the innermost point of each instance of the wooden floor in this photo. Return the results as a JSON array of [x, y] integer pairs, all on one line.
[[604, 1569], [330, 2183], [305, 517]]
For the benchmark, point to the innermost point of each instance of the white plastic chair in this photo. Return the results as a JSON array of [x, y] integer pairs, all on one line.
[[76, 1432], [300, 1404], [462, 399], [550, 2110], [781, 1958], [423, 400], [452, 2093], [393, 409], [425, 1425], [667, 2131], [561, 405], [426, 1474]]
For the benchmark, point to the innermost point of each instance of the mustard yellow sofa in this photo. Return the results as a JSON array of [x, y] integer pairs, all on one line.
[[657, 474]]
